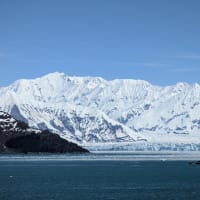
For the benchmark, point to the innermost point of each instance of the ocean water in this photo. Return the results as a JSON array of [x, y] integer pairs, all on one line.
[[98, 177]]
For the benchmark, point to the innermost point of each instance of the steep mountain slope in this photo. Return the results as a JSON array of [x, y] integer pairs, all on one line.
[[16, 136], [93, 110]]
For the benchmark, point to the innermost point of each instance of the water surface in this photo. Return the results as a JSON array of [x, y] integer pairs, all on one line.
[[90, 177]]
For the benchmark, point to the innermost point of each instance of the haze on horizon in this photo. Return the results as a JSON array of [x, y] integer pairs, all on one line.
[[157, 41]]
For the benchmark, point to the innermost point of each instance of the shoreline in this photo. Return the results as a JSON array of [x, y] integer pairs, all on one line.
[[104, 156]]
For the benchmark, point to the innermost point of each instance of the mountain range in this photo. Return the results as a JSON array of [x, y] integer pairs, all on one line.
[[108, 114]]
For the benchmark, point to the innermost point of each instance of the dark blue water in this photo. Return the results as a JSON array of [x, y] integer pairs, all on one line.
[[93, 180]]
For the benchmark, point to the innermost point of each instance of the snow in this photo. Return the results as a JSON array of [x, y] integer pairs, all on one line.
[[93, 110]]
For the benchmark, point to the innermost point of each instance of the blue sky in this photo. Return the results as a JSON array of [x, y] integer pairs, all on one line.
[[154, 40]]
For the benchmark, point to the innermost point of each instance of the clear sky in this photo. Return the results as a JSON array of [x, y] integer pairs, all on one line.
[[154, 40]]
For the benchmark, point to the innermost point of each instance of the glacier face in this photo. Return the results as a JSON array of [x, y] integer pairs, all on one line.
[[91, 110]]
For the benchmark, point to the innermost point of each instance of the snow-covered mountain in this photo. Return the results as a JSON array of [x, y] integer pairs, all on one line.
[[17, 137], [91, 110]]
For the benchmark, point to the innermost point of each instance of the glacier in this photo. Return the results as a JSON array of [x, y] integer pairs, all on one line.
[[101, 114]]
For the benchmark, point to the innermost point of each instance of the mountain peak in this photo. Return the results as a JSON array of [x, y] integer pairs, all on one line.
[[53, 75]]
